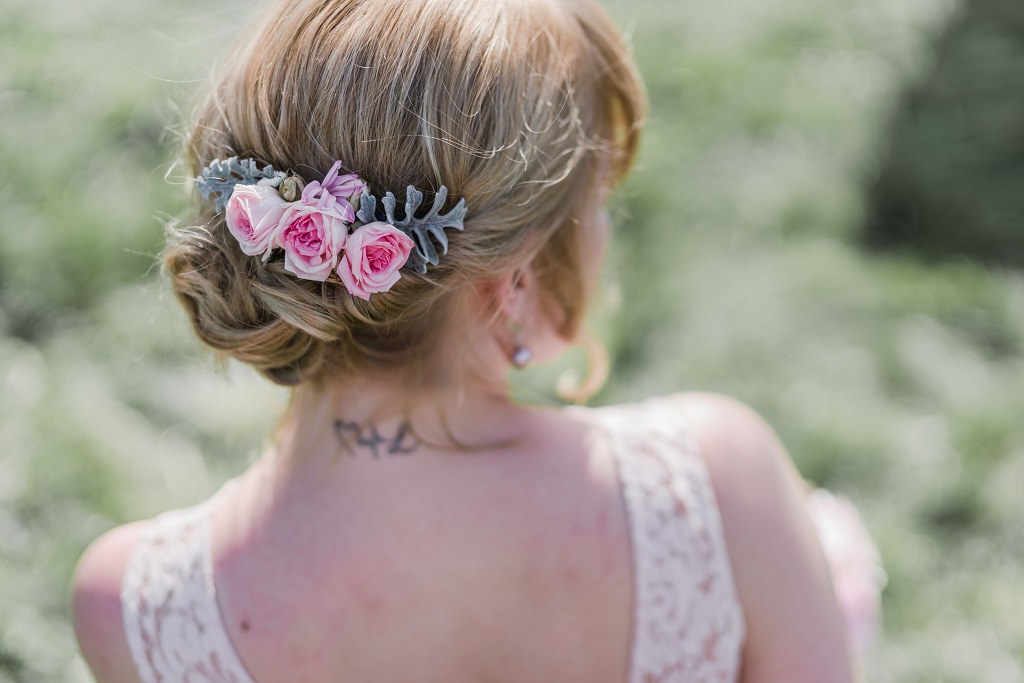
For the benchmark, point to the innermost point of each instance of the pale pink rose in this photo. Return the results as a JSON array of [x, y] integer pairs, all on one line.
[[253, 214], [311, 238], [335, 192], [372, 257], [853, 561]]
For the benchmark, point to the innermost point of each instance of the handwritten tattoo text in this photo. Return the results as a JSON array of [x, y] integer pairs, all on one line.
[[368, 439]]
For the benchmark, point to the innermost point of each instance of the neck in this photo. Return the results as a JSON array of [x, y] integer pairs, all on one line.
[[386, 415]]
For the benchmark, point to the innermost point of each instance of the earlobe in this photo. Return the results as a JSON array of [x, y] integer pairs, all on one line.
[[513, 290], [521, 353]]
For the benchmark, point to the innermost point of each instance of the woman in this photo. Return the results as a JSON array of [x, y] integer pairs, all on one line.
[[410, 521]]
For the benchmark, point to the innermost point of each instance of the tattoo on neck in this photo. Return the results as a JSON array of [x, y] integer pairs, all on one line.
[[366, 438]]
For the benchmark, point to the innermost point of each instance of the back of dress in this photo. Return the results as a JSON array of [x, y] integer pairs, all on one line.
[[687, 624]]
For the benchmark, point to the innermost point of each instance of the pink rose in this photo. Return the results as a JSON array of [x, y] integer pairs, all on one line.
[[253, 213], [311, 238], [372, 257]]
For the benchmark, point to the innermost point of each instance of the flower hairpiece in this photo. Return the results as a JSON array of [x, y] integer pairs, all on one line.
[[329, 229]]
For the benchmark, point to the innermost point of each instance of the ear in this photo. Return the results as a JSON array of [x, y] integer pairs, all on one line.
[[511, 293]]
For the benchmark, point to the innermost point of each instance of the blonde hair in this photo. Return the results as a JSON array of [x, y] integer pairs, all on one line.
[[514, 105]]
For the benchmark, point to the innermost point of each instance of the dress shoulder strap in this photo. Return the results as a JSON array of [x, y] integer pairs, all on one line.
[[169, 603], [688, 622]]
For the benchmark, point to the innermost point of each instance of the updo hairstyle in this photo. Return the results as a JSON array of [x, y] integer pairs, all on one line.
[[514, 105]]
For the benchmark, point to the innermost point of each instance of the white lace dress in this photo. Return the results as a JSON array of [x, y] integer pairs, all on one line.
[[169, 603], [687, 622]]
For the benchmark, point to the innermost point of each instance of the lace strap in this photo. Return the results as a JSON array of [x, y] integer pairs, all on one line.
[[688, 623], [169, 606]]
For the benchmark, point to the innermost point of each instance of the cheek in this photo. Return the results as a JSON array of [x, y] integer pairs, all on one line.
[[596, 246], [604, 230]]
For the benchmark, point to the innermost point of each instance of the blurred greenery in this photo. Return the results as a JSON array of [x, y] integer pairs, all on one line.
[[782, 132], [951, 183]]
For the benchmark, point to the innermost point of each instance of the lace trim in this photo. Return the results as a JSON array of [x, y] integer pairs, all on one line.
[[688, 623], [169, 605]]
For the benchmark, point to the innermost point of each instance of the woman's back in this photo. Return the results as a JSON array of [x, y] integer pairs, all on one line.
[[503, 565], [594, 547]]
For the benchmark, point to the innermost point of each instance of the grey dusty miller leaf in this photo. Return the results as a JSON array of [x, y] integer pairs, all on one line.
[[419, 229], [220, 177]]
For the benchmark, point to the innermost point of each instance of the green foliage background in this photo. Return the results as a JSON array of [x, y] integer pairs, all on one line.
[[779, 141], [951, 184]]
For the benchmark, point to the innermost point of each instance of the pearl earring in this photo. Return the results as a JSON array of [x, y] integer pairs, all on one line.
[[521, 354]]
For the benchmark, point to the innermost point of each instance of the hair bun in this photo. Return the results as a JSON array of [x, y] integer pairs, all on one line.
[[246, 314]]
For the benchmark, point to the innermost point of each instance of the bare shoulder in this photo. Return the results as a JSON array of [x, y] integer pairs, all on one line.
[[780, 573], [96, 604], [734, 441]]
